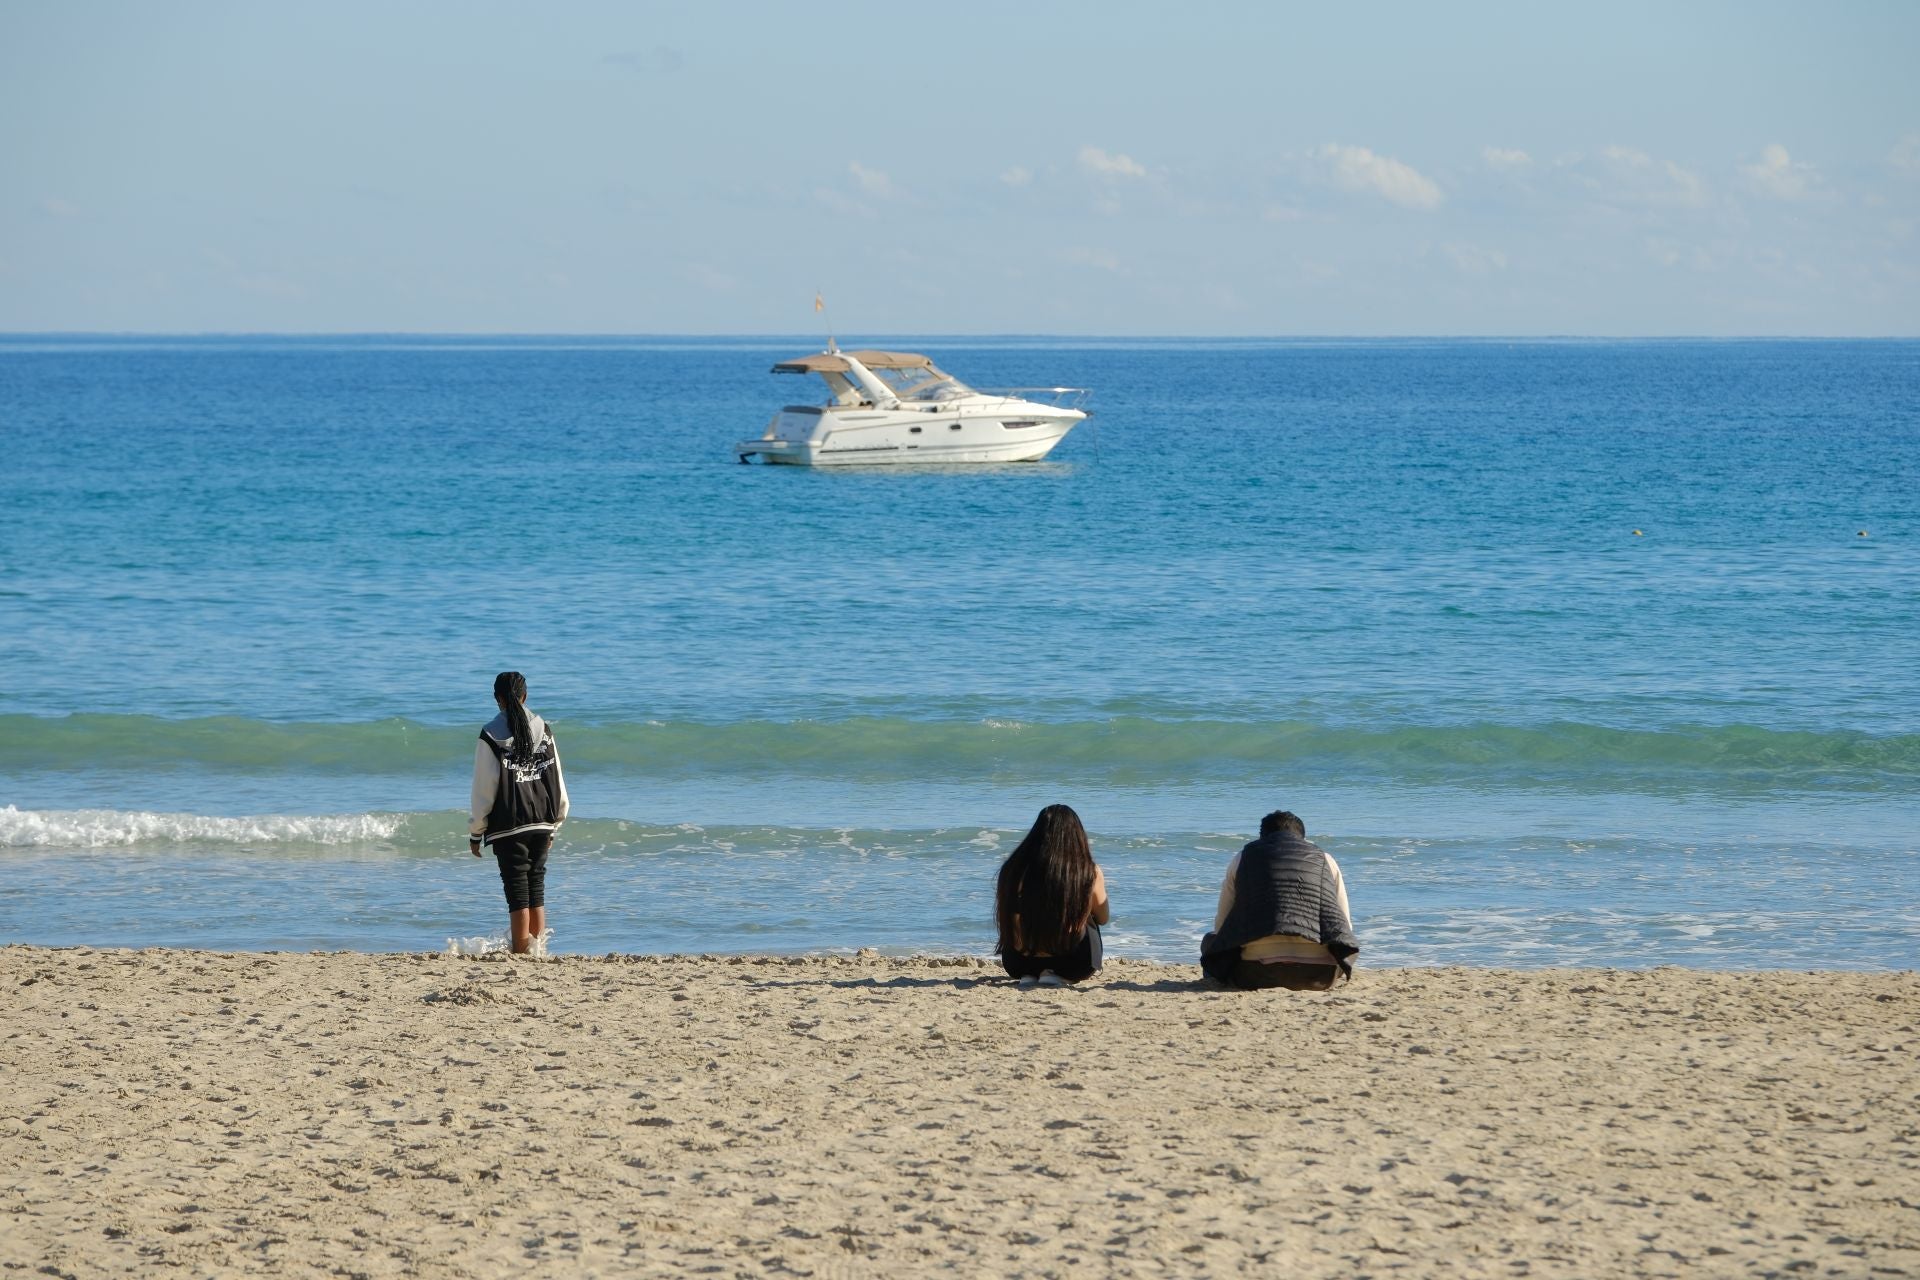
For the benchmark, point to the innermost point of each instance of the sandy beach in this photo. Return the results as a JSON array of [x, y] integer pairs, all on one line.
[[190, 1113]]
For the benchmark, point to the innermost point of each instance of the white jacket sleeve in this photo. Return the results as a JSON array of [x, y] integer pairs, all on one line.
[[1340, 890], [1226, 895], [486, 785], [561, 774]]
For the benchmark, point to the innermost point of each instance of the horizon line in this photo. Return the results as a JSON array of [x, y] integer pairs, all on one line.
[[6, 334]]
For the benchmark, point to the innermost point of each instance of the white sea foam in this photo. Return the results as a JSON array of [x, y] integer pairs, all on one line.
[[496, 944], [113, 828]]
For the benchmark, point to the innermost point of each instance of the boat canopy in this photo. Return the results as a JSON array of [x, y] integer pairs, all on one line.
[[833, 362]]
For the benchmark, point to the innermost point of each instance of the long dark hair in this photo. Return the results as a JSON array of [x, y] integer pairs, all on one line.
[[1045, 894], [510, 687]]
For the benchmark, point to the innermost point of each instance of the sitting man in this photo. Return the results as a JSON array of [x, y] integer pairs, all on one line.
[[1283, 919]]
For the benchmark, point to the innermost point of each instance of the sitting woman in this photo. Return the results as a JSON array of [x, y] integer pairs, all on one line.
[[1050, 903]]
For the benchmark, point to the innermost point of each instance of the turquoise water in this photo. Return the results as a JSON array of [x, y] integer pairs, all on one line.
[[254, 591]]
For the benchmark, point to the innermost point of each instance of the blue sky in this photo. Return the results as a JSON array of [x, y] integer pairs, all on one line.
[[1072, 168]]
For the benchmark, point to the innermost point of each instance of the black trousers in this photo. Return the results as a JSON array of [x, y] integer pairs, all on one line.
[[1081, 961], [523, 868]]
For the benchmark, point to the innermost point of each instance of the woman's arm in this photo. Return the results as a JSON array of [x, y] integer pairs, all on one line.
[[1101, 911], [486, 783], [561, 774]]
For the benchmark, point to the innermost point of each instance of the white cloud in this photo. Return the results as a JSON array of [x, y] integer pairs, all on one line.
[[1111, 164], [1359, 169], [1906, 154], [1099, 258], [841, 203], [1641, 179], [1678, 255], [872, 181], [55, 207], [1017, 176], [1504, 158], [1777, 174], [1475, 261], [1688, 188]]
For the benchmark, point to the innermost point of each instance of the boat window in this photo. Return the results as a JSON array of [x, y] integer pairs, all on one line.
[[921, 384], [904, 382]]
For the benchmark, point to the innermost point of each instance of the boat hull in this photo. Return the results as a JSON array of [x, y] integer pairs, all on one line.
[[810, 438]]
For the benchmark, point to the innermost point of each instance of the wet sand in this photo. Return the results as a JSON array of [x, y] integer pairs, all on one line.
[[190, 1113]]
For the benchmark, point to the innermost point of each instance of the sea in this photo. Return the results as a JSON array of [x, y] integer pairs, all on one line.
[[1595, 653]]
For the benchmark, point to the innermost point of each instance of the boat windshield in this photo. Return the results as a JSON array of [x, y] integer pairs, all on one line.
[[922, 384]]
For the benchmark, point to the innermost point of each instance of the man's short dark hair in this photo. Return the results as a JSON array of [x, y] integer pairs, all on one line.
[[1283, 820]]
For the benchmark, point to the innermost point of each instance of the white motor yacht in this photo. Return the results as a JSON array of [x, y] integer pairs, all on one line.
[[892, 407]]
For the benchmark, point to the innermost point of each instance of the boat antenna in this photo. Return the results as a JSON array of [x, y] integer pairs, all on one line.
[[820, 309]]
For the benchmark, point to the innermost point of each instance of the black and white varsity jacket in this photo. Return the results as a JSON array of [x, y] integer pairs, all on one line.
[[513, 799]]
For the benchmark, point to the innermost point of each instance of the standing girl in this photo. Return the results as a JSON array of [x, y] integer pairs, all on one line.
[[519, 800], [1050, 903]]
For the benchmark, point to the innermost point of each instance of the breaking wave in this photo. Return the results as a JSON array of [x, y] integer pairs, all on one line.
[[1124, 750], [438, 833], [111, 828]]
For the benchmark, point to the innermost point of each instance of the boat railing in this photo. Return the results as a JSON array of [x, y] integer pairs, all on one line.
[[1053, 397]]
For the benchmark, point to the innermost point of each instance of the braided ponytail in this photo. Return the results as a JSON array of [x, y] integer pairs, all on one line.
[[510, 687]]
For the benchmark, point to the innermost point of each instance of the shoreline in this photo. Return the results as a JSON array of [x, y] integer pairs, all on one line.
[[411, 1113], [1175, 971]]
